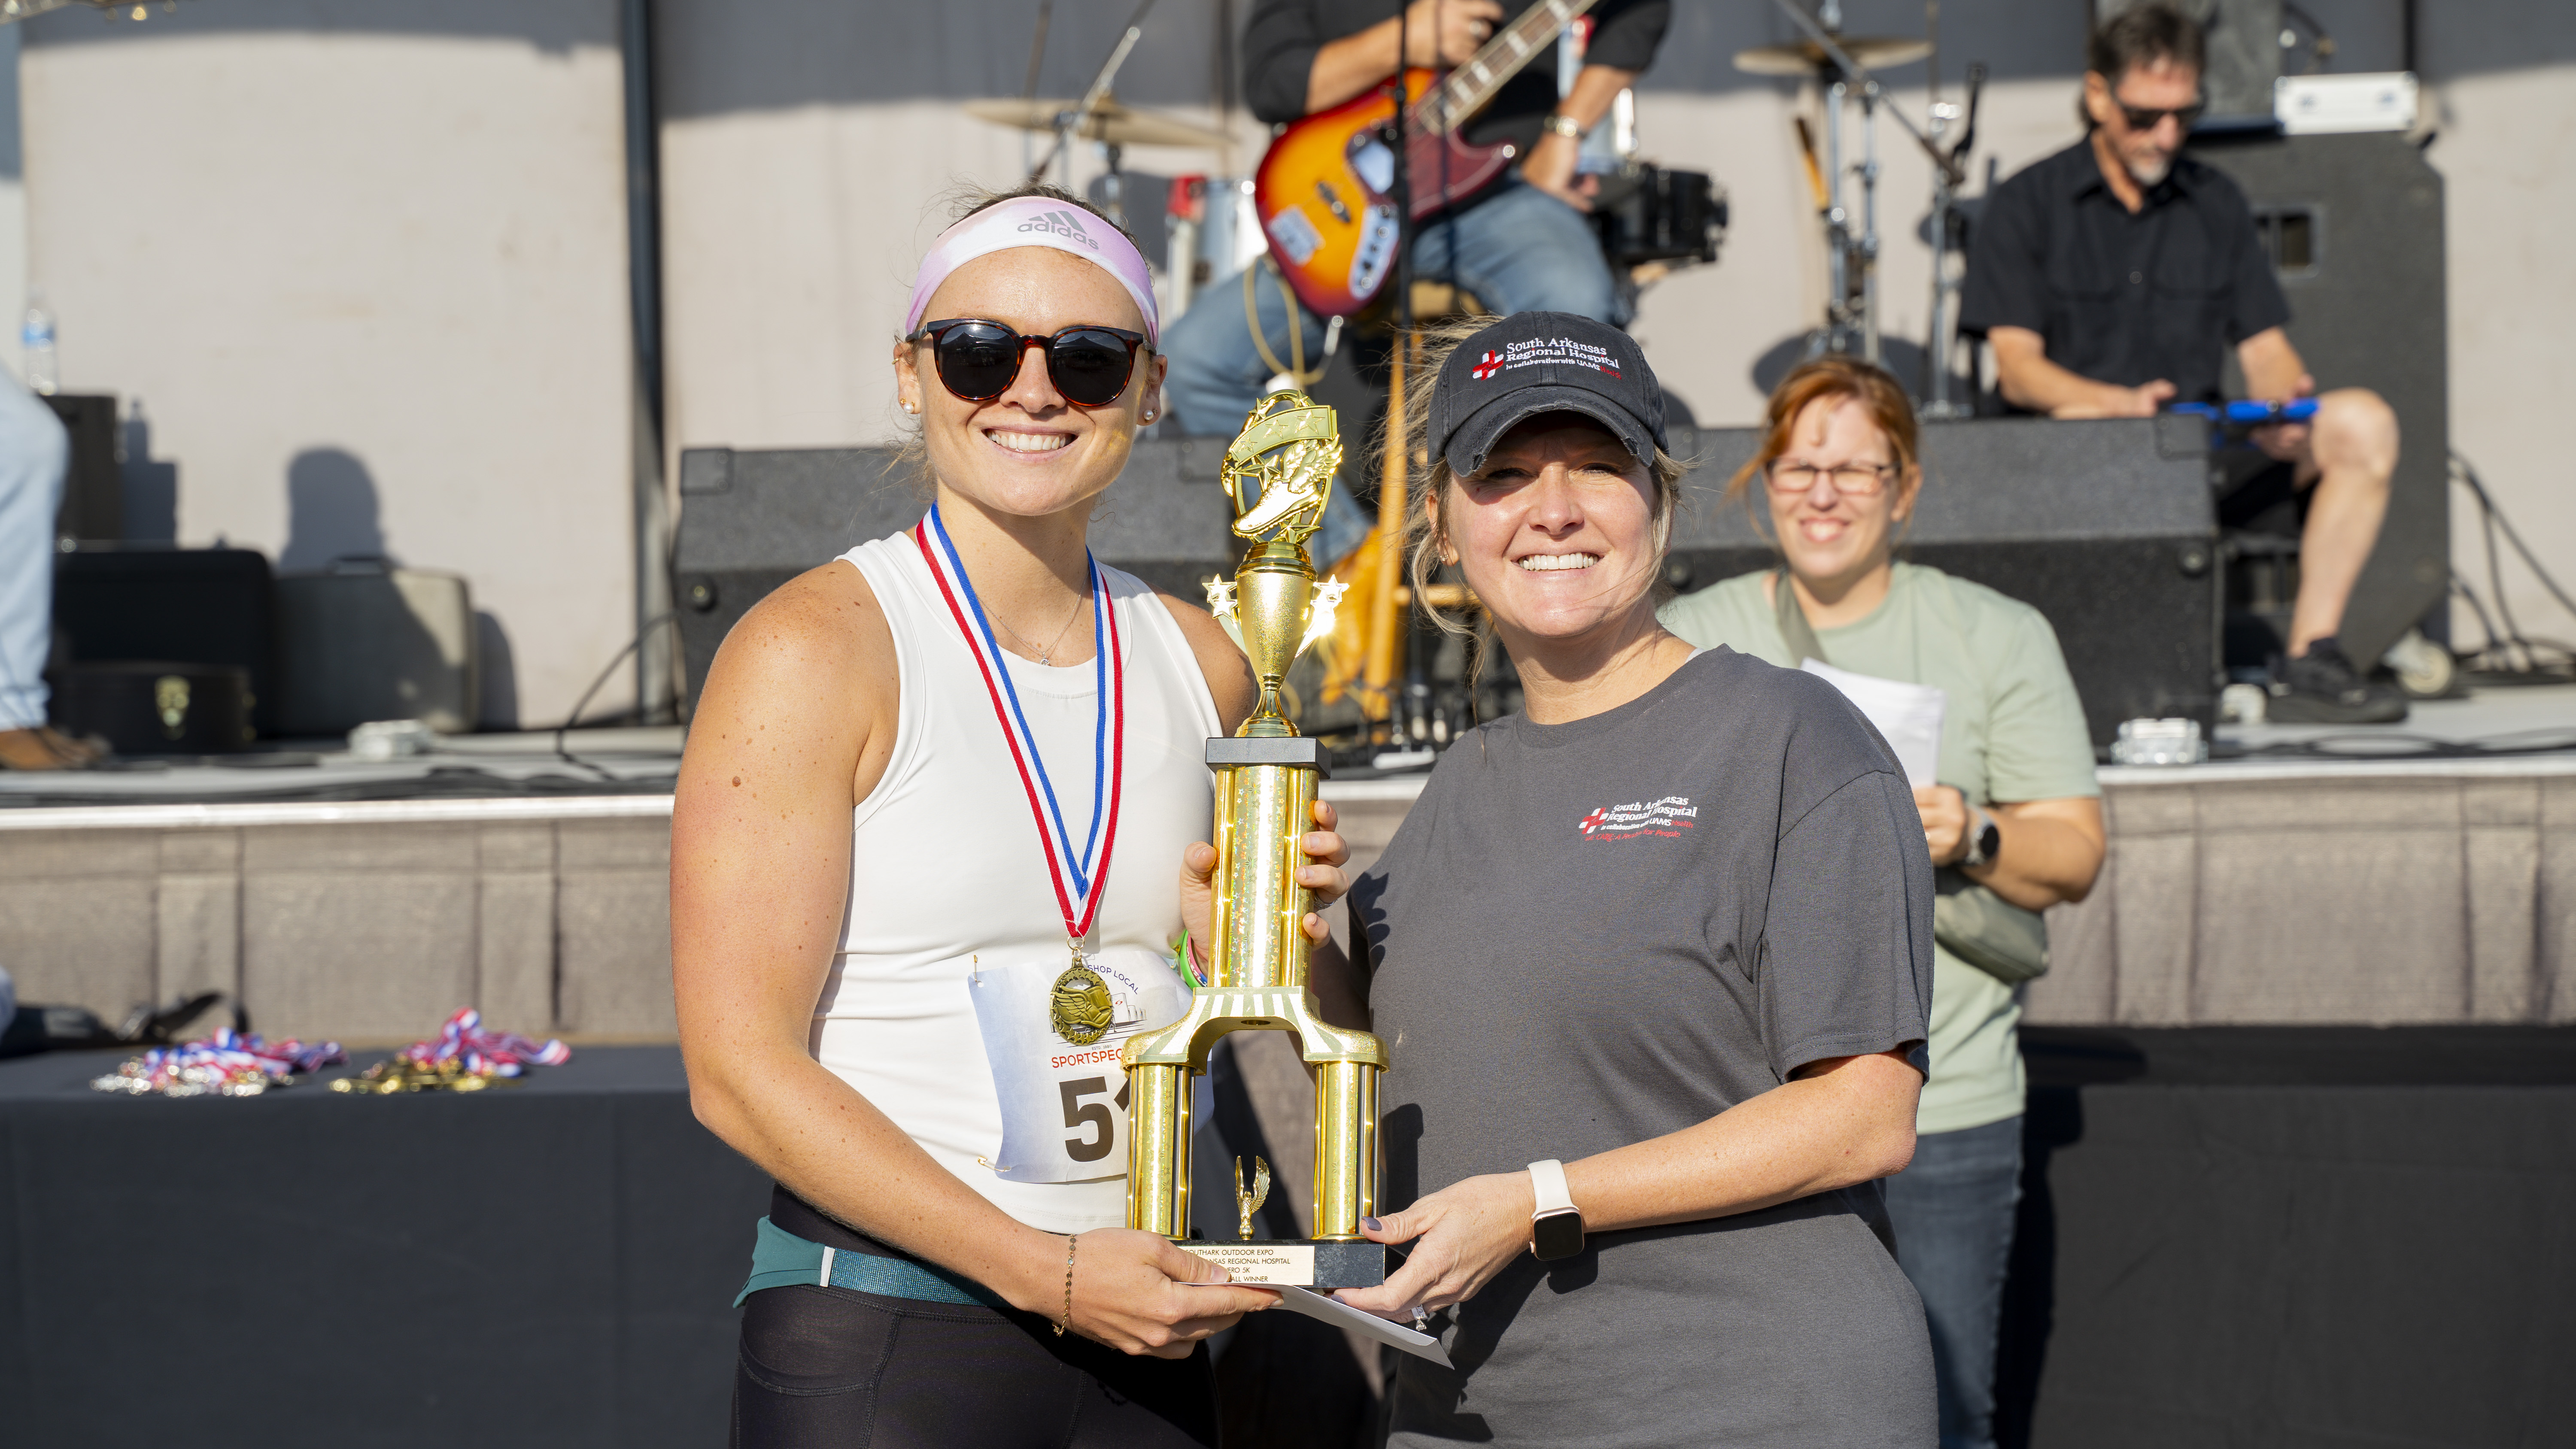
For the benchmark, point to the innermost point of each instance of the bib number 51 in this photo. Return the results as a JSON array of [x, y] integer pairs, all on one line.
[[1090, 1132]]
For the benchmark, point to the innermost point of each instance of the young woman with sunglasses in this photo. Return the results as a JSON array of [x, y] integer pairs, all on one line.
[[930, 861]]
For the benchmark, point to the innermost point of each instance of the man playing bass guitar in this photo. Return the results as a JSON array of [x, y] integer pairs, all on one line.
[[1521, 245]]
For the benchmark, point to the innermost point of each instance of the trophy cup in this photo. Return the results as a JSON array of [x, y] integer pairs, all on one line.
[[1265, 799]]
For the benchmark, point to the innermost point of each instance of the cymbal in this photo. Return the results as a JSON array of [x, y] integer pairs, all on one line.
[[1805, 57], [1108, 121]]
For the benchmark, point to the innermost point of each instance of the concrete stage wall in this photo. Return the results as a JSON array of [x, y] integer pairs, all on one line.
[[2300, 894]]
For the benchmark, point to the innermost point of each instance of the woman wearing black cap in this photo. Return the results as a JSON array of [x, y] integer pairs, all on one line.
[[1652, 959]]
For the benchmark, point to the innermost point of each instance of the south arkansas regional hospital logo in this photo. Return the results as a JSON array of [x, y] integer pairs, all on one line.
[[1548, 351], [1667, 817]]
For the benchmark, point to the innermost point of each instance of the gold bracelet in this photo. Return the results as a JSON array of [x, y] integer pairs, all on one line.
[[1068, 1286], [1563, 125]]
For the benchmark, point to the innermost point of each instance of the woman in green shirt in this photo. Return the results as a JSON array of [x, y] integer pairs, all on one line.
[[2015, 811]]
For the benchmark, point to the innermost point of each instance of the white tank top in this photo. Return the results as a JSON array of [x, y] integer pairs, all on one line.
[[946, 865]]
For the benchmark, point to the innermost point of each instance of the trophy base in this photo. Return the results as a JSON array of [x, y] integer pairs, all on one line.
[[1297, 1262]]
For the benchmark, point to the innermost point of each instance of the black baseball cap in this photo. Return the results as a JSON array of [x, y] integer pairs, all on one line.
[[1543, 362]]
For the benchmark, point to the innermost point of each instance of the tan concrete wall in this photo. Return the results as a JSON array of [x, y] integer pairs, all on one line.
[[364, 263], [369, 932]]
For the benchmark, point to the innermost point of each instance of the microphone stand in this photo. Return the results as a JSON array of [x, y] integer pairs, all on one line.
[[1068, 122], [1376, 703]]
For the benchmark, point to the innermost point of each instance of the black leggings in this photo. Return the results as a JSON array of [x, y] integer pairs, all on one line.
[[832, 1367]]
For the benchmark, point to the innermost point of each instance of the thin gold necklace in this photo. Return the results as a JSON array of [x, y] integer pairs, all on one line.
[[1043, 654]]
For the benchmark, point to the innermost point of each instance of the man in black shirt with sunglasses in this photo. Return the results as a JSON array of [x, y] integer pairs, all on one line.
[[2109, 279]]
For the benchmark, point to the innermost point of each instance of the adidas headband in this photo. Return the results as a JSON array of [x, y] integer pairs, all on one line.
[[1034, 221]]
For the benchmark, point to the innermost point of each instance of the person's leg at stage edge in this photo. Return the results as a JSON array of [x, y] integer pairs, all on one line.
[[1521, 250], [2350, 452], [34, 455], [1952, 1208]]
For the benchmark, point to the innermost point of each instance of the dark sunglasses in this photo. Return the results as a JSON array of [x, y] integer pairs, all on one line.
[[2142, 119], [979, 360]]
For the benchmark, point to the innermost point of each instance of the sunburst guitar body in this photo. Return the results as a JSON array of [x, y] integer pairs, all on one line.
[[1326, 194], [1326, 187]]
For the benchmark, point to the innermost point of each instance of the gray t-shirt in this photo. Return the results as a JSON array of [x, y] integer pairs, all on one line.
[[1591, 934]]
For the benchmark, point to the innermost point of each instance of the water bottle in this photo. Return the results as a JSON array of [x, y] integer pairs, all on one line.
[[36, 335]]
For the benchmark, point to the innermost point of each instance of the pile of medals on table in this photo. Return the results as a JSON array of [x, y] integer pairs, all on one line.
[[227, 1064], [463, 1057]]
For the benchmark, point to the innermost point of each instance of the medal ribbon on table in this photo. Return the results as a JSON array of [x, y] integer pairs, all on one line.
[[1077, 877]]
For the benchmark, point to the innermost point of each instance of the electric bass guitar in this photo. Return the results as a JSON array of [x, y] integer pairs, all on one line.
[[1326, 187]]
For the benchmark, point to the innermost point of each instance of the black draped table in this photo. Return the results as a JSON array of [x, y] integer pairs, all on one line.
[[2305, 1236], [545, 1264], [2230, 1237]]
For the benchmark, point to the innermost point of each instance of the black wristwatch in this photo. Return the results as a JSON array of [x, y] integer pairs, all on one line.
[[1556, 1229], [1983, 842]]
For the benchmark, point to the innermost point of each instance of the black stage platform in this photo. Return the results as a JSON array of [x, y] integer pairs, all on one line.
[[2294, 1236], [2231, 1236]]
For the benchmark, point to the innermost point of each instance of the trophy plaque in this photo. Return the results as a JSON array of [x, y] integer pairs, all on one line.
[[1278, 472]]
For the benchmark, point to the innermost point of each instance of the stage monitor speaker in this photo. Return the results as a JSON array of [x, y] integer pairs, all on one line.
[[186, 606], [2355, 227], [750, 520], [2105, 527], [156, 707]]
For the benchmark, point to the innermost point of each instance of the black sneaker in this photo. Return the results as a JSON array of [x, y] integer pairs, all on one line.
[[2322, 687]]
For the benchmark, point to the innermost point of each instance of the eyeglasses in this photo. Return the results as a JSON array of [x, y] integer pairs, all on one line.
[[2140, 118], [1856, 480], [979, 360]]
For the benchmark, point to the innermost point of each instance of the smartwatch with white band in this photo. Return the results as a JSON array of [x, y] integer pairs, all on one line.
[[1556, 1229]]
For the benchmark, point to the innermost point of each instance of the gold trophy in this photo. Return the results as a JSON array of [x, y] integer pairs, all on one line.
[[1277, 473]]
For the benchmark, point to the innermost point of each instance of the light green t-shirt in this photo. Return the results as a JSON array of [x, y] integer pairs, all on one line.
[[2012, 730]]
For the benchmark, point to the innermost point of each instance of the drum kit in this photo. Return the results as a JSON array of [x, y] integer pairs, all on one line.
[[1842, 67]]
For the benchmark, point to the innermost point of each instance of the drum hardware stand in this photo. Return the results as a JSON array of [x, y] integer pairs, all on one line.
[[1949, 169], [1842, 317], [1069, 120]]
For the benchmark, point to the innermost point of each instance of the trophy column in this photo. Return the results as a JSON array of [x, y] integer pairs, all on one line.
[[1266, 777]]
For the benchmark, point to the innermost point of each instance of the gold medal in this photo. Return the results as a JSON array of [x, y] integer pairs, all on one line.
[[1078, 1006]]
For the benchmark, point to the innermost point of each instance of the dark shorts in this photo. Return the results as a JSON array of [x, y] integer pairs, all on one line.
[[828, 1366], [2258, 493]]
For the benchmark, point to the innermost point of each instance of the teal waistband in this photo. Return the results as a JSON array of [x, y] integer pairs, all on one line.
[[779, 1259]]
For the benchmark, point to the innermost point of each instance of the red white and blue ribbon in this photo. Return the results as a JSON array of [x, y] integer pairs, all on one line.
[[464, 1042], [1076, 875], [226, 1064]]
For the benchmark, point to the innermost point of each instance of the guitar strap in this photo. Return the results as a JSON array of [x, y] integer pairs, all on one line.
[[1296, 366]]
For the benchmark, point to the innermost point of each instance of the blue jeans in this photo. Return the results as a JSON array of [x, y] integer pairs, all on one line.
[[1518, 250], [1953, 1212], [34, 454]]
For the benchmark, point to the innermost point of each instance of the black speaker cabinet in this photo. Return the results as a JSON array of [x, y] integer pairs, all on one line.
[[2354, 224], [156, 707], [187, 606], [2104, 527], [752, 520]]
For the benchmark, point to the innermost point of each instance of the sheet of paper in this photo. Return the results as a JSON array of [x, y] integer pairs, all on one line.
[[1908, 715], [1334, 1311]]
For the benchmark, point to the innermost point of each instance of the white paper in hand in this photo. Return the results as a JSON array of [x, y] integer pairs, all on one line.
[[1342, 1315], [1908, 715]]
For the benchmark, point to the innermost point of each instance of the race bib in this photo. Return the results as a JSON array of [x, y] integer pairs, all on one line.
[[1052, 1033]]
